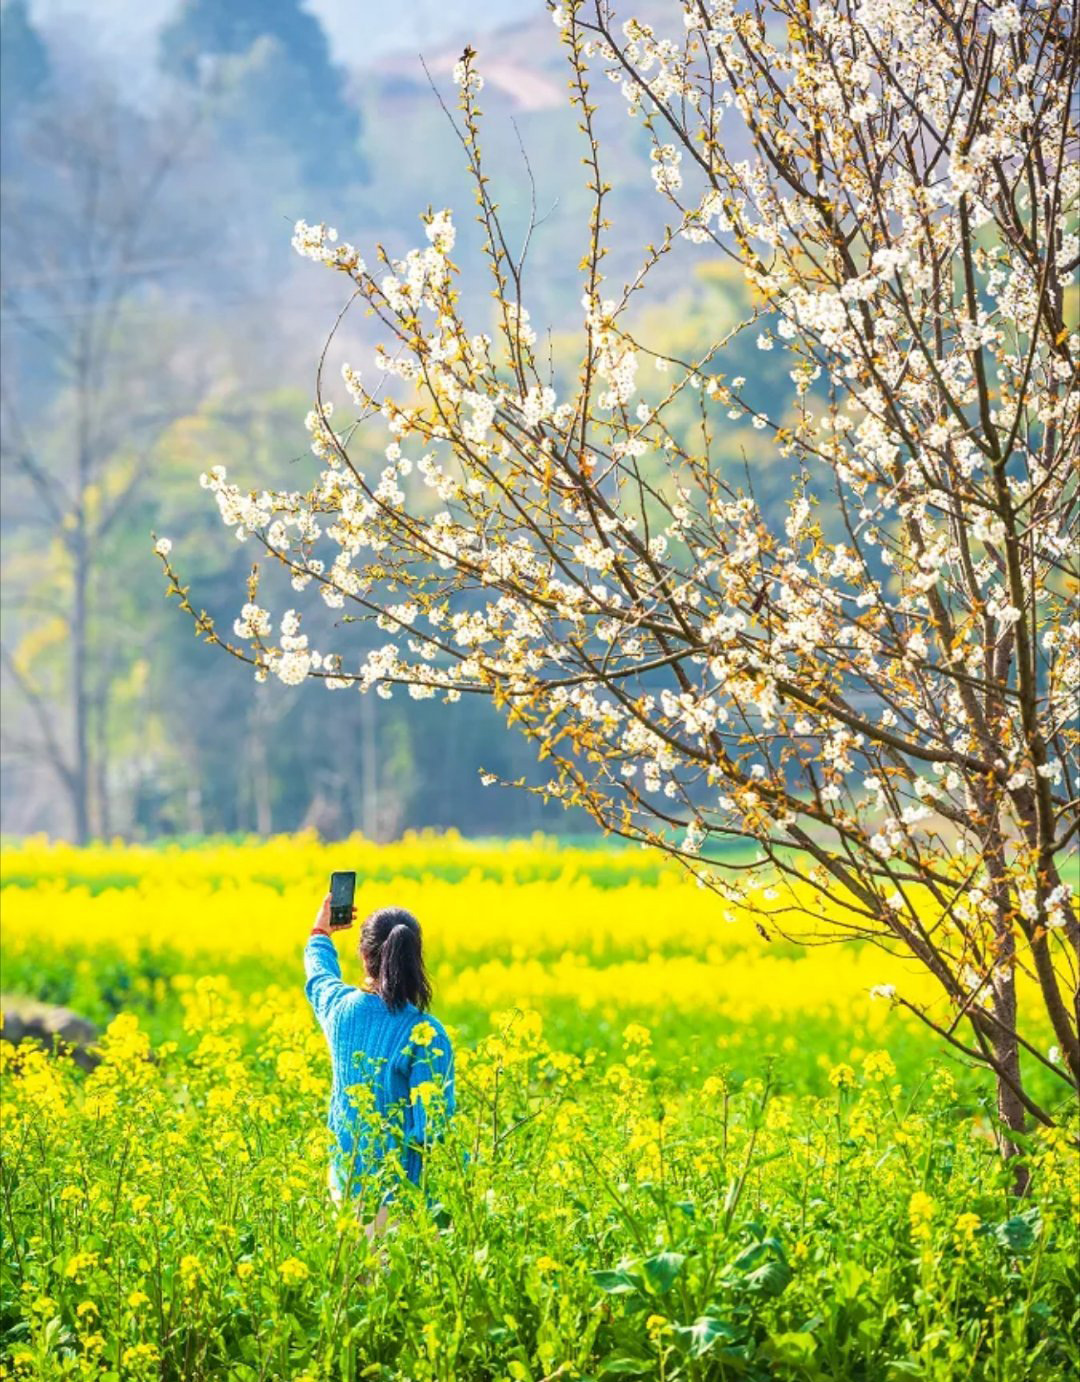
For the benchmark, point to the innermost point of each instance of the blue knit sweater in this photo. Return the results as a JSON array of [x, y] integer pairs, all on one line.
[[403, 1059]]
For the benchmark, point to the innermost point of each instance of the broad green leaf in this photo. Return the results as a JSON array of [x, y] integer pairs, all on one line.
[[851, 1279], [750, 1257], [626, 1365], [699, 1337], [661, 1271], [1018, 1233], [793, 1347], [770, 1279], [618, 1282]]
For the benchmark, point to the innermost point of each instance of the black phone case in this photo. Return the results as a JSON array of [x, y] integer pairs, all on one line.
[[341, 917]]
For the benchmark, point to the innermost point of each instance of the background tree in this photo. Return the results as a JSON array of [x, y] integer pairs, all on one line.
[[879, 691], [201, 369], [24, 63], [267, 74], [86, 225]]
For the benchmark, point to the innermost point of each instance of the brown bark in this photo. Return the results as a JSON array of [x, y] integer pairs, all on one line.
[[1007, 1053]]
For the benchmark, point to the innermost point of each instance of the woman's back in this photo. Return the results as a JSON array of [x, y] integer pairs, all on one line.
[[393, 1076]]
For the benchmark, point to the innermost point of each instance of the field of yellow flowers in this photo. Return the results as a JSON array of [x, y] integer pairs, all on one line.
[[680, 1152]]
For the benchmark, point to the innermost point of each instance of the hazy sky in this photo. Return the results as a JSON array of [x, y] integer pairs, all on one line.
[[362, 29], [125, 31]]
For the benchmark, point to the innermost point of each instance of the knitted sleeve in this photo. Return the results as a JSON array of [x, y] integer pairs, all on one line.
[[324, 987]]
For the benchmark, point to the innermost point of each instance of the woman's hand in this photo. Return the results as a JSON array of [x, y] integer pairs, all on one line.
[[322, 919]]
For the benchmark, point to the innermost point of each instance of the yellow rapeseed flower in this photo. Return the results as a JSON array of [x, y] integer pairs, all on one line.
[[139, 1353], [648, 938], [81, 1262], [423, 1093], [423, 1034], [878, 1066], [292, 1270], [965, 1226], [920, 1212]]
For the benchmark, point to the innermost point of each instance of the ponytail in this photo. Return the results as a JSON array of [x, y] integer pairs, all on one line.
[[392, 947]]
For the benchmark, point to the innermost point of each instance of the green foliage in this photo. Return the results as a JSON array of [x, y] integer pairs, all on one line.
[[676, 1193], [169, 1211]]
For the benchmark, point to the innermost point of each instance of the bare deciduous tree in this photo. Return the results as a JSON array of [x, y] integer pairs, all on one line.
[[84, 231]]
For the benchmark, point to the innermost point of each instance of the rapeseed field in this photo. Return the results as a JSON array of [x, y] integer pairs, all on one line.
[[680, 1152]]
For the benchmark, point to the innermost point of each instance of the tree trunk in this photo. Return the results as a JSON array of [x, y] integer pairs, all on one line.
[[80, 557], [1007, 1052], [80, 777], [103, 824], [259, 721], [1002, 1037], [195, 822], [369, 767]]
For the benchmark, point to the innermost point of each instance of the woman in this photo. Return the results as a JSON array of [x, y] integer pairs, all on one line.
[[382, 1039]]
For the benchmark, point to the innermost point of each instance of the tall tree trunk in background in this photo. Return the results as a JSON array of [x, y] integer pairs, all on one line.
[[369, 768], [196, 823], [80, 777], [100, 812], [259, 721], [103, 812], [80, 556]]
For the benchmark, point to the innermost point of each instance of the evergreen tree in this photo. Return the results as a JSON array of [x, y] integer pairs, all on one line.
[[266, 66], [24, 61]]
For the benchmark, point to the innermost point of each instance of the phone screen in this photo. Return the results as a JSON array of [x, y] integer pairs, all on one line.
[[342, 892]]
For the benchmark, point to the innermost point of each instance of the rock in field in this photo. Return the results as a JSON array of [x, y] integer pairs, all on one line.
[[26, 1018]]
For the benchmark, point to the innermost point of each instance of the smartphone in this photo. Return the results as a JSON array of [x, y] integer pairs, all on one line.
[[342, 892]]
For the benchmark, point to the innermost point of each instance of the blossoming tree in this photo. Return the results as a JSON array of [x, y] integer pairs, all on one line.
[[878, 688]]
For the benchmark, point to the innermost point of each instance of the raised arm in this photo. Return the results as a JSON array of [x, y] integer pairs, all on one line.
[[324, 986]]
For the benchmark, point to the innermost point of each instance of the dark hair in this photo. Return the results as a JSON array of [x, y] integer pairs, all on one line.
[[392, 949]]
